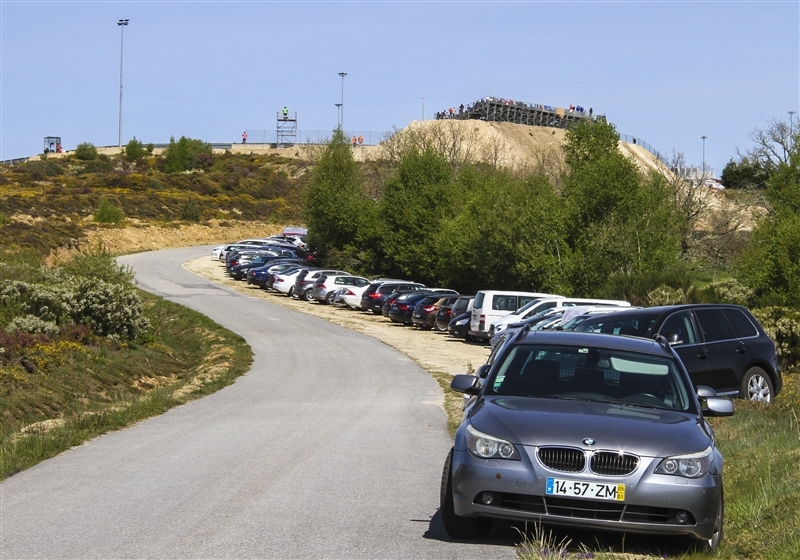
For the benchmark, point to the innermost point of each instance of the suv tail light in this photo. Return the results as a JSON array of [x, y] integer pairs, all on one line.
[[374, 295], [429, 308], [482, 324], [402, 306]]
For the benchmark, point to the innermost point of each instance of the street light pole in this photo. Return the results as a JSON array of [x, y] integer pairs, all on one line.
[[338, 114], [122, 23], [341, 120], [704, 155]]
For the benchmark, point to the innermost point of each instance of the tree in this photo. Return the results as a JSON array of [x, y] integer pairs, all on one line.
[[416, 198], [771, 262], [509, 234], [134, 150], [744, 174], [86, 151], [340, 217], [620, 222], [187, 154]]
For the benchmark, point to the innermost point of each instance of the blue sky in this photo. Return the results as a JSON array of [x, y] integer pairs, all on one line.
[[666, 72]]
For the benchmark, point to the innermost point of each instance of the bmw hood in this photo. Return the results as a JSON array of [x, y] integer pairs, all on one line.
[[642, 431]]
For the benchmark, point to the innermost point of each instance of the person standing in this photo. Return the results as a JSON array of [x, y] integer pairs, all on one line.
[[244, 137], [355, 141], [285, 113], [360, 140]]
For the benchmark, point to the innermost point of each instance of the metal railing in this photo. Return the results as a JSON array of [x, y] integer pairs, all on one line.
[[371, 137]]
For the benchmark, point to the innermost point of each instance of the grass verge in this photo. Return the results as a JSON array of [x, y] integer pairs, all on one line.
[[79, 392]]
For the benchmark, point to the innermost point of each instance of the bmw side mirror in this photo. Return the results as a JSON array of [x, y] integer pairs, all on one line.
[[464, 383], [717, 406], [705, 392], [483, 371]]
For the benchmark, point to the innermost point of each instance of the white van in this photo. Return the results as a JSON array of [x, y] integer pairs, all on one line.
[[491, 305], [543, 304]]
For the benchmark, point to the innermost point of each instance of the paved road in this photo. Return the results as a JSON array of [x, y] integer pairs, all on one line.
[[330, 447]]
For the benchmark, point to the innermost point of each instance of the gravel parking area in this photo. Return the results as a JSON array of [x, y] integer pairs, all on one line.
[[433, 351]]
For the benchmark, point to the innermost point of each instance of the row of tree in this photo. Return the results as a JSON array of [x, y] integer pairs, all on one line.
[[472, 225], [600, 225]]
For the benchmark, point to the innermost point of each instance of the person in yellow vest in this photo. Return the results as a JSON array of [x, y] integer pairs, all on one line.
[[285, 113]]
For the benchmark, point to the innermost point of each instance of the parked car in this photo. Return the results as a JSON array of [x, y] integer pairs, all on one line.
[[605, 433], [447, 312], [260, 276], [327, 284], [426, 311], [373, 297], [490, 305], [722, 346], [285, 282], [536, 307], [351, 295], [304, 282], [239, 271]]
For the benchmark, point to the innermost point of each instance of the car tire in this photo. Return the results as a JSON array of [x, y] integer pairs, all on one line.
[[461, 528], [307, 295], [290, 293], [329, 298], [757, 386]]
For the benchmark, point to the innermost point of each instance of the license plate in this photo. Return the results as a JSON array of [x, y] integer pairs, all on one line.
[[578, 489]]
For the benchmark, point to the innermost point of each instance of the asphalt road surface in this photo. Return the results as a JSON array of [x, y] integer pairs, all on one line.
[[330, 447]]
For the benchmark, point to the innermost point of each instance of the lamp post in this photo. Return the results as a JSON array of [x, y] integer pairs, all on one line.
[[338, 114], [704, 155], [341, 119], [791, 128], [122, 24]]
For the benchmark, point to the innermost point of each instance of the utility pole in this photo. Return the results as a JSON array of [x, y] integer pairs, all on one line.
[[122, 24], [704, 155], [341, 121]]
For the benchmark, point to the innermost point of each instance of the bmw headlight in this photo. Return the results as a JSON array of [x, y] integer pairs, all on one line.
[[688, 466], [498, 328], [462, 322], [488, 447]]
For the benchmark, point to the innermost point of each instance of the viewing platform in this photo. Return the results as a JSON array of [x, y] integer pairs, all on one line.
[[497, 109]]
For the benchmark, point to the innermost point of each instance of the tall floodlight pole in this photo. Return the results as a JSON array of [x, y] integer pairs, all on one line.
[[791, 128], [339, 114], [341, 119], [704, 155], [122, 23]]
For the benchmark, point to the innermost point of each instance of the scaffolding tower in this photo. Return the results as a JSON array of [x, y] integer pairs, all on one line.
[[286, 130]]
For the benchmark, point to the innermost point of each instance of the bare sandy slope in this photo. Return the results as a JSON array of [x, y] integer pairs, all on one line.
[[433, 351]]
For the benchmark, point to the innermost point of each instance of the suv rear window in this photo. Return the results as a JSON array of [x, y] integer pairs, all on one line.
[[740, 323]]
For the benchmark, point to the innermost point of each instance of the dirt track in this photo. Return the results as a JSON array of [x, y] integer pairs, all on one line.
[[433, 351]]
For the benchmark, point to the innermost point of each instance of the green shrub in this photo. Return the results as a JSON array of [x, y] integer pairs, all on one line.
[[726, 291], [108, 213], [100, 264], [32, 324], [38, 170], [134, 150], [150, 147], [782, 324], [86, 151], [109, 310], [191, 211], [187, 154]]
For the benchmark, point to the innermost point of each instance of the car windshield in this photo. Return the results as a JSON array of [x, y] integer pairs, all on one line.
[[592, 374]]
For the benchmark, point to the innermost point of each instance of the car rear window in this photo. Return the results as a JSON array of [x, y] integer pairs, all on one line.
[[741, 324]]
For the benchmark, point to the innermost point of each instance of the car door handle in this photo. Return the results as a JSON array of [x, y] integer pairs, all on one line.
[[741, 350], [702, 355]]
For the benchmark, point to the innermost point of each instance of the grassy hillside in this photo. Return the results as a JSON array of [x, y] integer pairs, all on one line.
[[55, 202]]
